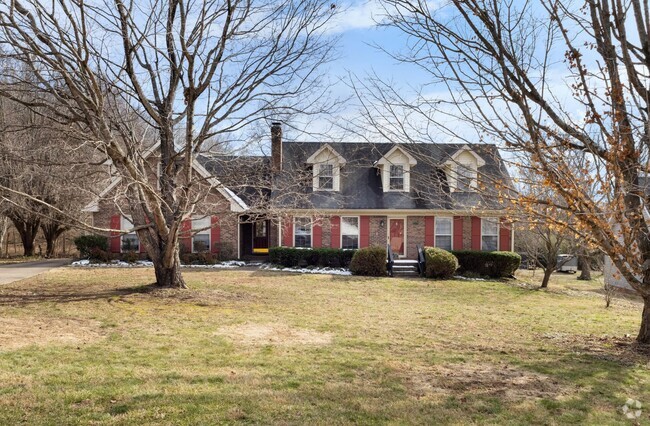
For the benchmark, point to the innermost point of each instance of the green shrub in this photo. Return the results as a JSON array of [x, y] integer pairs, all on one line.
[[224, 251], [98, 255], [439, 263], [88, 245], [495, 264], [130, 256], [201, 258], [369, 261], [291, 257]]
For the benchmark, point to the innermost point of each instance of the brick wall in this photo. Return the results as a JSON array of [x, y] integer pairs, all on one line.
[[378, 232], [214, 204], [467, 233], [326, 225], [414, 235]]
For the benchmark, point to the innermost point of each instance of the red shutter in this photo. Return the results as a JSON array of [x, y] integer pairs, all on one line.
[[142, 249], [317, 233], [458, 233], [428, 231], [476, 233], [505, 235], [364, 231], [287, 232], [115, 236], [215, 235], [186, 235], [336, 231]]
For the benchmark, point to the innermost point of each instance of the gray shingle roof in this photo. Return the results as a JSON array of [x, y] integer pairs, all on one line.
[[361, 186]]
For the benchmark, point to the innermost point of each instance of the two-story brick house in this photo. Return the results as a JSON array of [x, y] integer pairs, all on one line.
[[344, 195]]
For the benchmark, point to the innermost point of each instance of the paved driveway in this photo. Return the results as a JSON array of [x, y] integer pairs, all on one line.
[[20, 271]]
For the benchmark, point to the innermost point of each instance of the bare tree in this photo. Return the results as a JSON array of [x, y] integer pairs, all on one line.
[[4, 226], [547, 78], [542, 244], [190, 70]]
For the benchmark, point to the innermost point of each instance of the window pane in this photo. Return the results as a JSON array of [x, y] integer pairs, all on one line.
[[260, 229], [396, 180], [303, 241], [350, 232], [443, 242], [350, 242], [465, 175], [350, 225], [302, 232], [326, 176], [201, 225], [488, 243], [443, 226], [126, 223], [130, 242], [489, 226], [201, 243]]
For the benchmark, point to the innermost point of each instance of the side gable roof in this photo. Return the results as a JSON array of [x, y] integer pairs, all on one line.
[[385, 158], [361, 186], [454, 158], [326, 147], [236, 203]]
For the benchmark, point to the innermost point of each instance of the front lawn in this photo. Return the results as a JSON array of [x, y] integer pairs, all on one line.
[[86, 346]]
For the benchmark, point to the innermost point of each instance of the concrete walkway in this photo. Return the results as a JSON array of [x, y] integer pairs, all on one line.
[[20, 271]]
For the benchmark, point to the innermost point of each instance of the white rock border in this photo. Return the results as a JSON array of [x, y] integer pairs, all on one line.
[[230, 264]]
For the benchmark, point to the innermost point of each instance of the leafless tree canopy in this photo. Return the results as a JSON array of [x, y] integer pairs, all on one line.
[[564, 85], [122, 76]]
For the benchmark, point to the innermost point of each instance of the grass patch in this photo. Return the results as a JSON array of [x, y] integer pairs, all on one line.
[[100, 346]]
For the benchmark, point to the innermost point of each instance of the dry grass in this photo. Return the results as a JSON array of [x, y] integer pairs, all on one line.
[[104, 347]]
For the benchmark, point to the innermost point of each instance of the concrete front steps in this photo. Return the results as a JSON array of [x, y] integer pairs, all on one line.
[[405, 268]]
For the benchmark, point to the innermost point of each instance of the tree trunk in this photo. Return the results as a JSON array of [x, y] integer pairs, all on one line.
[[547, 276], [169, 277], [52, 231], [27, 229], [585, 268], [4, 226], [644, 331]]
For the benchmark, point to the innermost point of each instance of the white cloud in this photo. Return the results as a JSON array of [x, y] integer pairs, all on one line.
[[355, 15]]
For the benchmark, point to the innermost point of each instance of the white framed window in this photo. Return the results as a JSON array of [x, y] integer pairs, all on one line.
[[443, 232], [326, 167], [489, 234], [395, 167], [326, 177], [396, 179], [350, 232], [201, 234], [465, 175], [130, 241], [302, 232]]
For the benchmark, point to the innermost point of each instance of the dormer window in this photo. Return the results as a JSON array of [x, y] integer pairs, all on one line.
[[326, 164], [462, 170], [465, 177], [326, 177], [396, 177], [395, 169]]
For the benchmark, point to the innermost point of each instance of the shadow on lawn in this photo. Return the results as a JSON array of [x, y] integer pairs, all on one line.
[[594, 381], [22, 297]]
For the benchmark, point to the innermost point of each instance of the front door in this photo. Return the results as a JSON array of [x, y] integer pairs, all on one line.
[[261, 237], [396, 236]]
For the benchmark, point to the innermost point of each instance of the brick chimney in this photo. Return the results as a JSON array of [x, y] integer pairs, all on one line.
[[276, 146]]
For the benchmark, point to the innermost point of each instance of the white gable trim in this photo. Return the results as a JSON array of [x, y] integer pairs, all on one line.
[[332, 158], [384, 165], [480, 162], [315, 155], [236, 203], [385, 159]]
